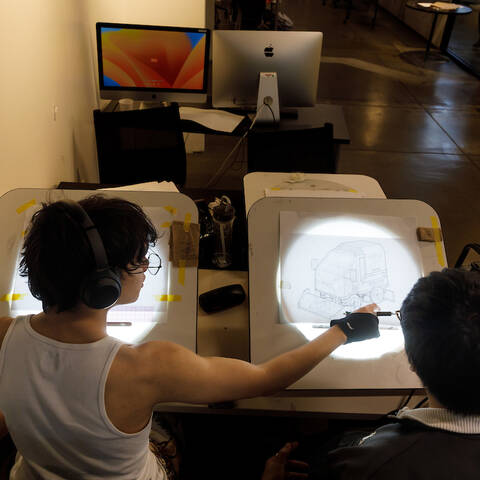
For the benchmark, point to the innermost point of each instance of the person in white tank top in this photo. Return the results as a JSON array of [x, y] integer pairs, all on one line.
[[77, 402]]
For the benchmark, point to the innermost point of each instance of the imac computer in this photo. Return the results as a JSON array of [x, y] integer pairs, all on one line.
[[152, 63], [251, 68]]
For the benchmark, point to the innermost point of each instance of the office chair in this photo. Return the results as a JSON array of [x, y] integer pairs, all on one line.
[[138, 146], [309, 151]]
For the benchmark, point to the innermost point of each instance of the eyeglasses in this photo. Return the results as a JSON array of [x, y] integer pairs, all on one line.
[[152, 263], [398, 313]]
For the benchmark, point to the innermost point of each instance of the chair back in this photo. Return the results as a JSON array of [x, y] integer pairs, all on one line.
[[138, 146], [311, 150]]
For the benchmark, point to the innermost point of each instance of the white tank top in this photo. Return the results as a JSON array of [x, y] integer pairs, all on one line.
[[52, 396]]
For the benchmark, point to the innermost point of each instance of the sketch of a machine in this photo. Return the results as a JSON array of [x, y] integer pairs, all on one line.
[[349, 276]]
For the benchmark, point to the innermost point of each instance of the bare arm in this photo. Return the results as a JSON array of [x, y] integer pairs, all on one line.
[[174, 373]]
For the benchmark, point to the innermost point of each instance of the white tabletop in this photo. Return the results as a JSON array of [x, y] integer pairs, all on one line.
[[257, 184]]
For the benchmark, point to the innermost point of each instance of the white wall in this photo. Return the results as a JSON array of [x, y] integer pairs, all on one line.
[[47, 53], [44, 56], [186, 13]]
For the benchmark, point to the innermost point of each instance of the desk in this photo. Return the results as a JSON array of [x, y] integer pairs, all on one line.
[[227, 334], [308, 118], [462, 10], [313, 157], [305, 143]]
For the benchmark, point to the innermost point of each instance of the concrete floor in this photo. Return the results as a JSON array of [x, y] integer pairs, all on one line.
[[414, 127]]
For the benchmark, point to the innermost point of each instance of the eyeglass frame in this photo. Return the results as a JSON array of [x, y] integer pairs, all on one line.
[[146, 261]]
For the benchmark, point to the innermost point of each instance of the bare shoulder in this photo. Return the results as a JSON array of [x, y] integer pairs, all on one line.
[[145, 369], [5, 322], [140, 359]]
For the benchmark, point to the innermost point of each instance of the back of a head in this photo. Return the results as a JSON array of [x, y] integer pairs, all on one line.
[[57, 256], [440, 319]]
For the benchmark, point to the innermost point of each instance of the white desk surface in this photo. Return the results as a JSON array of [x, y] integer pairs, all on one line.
[[255, 184]]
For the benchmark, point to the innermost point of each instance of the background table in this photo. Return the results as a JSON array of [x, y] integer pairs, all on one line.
[[462, 10]]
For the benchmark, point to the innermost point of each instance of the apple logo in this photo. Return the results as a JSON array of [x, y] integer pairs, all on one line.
[[268, 51]]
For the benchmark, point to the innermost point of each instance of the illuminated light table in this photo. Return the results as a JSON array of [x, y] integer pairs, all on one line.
[[166, 308], [312, 259]]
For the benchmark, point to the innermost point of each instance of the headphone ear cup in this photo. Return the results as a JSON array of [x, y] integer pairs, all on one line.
[[102, 289]]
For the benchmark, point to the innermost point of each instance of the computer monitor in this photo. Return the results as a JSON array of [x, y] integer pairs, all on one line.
[[152, 63], [239, 56]]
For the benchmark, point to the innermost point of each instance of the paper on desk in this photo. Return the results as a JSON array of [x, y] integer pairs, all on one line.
[[445, 6], [211, 118], [148, 186], [269, 192], [302, 186]]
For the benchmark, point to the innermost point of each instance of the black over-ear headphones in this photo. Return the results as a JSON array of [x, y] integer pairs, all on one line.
[[102, 288]]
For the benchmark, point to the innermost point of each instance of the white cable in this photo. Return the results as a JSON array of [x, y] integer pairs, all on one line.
[[225, 164]]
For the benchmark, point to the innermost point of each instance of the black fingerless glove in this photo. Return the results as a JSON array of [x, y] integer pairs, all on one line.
[[358, 326]]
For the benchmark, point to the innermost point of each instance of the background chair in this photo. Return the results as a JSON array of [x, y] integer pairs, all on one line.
[[309, 151], [138, 146]]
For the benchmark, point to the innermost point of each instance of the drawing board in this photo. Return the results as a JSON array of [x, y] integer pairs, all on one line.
[[167, 306], [312, 260]]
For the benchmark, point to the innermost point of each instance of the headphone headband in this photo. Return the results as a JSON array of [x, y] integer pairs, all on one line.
[[102, 287]]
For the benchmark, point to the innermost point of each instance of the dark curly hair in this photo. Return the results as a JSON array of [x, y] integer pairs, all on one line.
[[440, 319], [57, 257]]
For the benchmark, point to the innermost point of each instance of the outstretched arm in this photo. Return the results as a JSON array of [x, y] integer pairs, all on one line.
[[174, 373]]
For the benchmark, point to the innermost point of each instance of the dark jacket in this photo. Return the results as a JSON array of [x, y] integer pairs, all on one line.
[[408, 450]]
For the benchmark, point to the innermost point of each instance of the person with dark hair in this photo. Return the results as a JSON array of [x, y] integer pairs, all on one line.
[[77, 402], [440, 319], [252, 12]]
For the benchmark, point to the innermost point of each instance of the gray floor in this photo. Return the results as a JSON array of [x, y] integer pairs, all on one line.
[[414, 127]]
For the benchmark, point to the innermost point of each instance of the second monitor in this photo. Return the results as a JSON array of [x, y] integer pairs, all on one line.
[[239, 57]]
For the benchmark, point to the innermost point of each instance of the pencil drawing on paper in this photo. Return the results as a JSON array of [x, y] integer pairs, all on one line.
[[350, 275]]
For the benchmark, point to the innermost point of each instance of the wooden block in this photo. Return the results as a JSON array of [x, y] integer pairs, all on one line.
[[425, 234], [184, 244]]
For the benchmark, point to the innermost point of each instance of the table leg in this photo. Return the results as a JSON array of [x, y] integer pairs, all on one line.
[[429, 42], [375, 14]]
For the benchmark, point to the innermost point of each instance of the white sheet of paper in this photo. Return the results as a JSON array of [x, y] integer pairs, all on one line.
[[148, 187], [332, 265], [274, 192], [214, 119]]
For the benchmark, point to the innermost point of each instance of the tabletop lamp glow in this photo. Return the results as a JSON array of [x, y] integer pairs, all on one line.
[[335, 264]]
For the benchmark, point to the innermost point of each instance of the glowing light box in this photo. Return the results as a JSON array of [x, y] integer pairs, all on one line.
[[313, 259], [166, 307]]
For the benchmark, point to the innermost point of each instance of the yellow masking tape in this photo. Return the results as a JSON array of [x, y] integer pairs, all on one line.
[[165, 224], [438, 243], [181, 272], [187, 222], [26, 206], [168, 298], [170, 210], [12, 297]]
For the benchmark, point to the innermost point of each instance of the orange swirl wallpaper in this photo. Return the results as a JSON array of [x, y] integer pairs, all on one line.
[[153, 58]]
